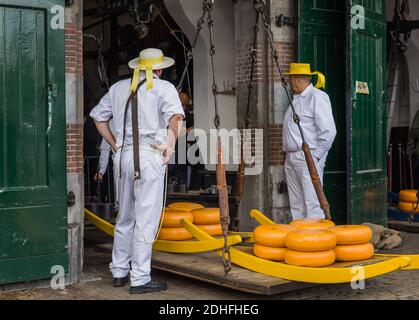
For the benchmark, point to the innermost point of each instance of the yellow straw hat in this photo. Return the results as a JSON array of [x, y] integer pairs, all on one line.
[[149, 60], [304, 69]]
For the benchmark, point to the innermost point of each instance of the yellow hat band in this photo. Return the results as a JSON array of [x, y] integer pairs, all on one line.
[[144, 62], [147, 64]]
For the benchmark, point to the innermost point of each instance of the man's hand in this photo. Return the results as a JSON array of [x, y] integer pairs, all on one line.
[[165, 150], [98, 177]]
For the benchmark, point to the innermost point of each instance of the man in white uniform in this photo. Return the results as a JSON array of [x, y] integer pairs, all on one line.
[[316, 118], [140, 193]]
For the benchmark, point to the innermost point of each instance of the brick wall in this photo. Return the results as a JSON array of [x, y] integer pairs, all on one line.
[[74, 148], [73, 48], [74, 65]]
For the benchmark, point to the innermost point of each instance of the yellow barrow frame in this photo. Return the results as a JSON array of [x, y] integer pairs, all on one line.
[[338, 273], [166, 245]]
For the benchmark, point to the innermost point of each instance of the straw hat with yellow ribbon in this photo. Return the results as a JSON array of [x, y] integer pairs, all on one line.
[[149, 60], [303, 69]]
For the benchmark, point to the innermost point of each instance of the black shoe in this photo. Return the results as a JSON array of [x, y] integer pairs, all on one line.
[[120, 282], [152, 286]]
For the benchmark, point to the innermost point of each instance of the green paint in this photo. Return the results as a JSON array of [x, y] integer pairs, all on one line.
[[367, 116], [355, 173], [33, 212]]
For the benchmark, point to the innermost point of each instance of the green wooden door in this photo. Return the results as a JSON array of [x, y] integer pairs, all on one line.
[[321, 42], [33, 212], [366, 113]]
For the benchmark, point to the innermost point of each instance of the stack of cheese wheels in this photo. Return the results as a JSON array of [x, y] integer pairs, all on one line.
[[310, 247], [270, 241], [408, 200], [353, 242], [183, 205], [310, 224], [208, 219], [172, 228]]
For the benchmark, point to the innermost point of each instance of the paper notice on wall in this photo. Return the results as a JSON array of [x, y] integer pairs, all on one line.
[[361, 87]]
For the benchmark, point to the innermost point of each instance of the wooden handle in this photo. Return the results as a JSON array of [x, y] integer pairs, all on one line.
[[315, 179], [222, 189]]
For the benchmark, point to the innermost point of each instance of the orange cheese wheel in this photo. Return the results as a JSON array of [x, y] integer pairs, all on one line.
[[310, 240], [211, 229], [172, 218], [310, 259], [354, 252], [352, 234], [269, 253], [312, 223], [183, 205], [206, 216], [408, 206], [272, 235], [174, 234], [408, 195]]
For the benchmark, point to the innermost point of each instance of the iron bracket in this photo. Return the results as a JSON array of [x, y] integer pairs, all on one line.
[[282, 20]]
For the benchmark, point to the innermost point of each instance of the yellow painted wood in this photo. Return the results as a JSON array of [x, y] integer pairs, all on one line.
[[260, 217], [166, 245]]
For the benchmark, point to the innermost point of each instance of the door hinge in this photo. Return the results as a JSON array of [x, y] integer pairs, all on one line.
[[282, 20], [71, 199]]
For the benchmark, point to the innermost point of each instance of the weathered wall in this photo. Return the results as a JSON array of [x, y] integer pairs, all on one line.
[[285, 40], [74, 111], [186, 14]]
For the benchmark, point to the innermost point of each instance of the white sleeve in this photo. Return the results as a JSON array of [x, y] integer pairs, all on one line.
[[105, 150], [103, 111], [170, 103], [326, 129]]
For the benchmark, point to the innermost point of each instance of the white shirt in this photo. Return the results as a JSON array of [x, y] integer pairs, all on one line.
[[105, 151], [155, 108], [316, 119]]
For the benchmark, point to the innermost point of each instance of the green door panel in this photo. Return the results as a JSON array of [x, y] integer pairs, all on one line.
[[33, 210], [366, 165], [321, 42]]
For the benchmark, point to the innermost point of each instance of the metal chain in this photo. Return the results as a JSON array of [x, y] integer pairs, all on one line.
[[253, 55], [260, 6], [208, 6], [241, 168], [413, 211], [199, 26]]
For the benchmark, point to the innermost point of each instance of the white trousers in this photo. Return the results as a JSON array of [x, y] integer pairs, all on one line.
[[140, 207], [303, 199]]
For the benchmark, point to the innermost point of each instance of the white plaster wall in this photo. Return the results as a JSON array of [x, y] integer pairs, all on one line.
[[186, 14]]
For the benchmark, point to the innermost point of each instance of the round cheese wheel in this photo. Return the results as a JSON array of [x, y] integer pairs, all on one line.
[[269, 253], [408, 195], [310, 240], [211, 229], [172, 218], [183, 205], [174, 234], [354, 252], [352, 234], [408, 206], [206, 216], [272, 235], [312, 223], [310, 259]]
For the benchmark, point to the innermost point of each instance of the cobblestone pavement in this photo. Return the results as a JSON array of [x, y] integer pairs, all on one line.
[[396, 285]]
